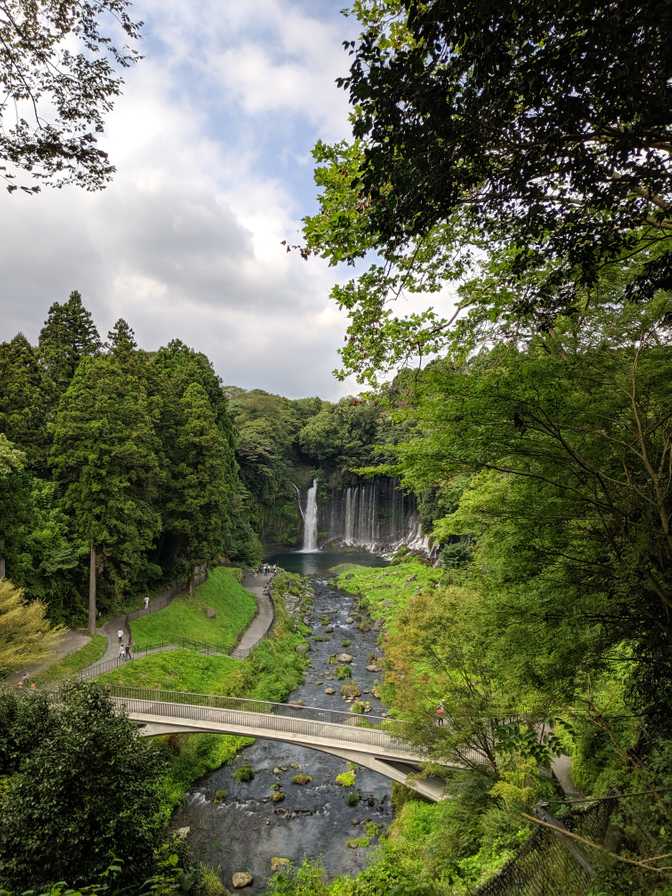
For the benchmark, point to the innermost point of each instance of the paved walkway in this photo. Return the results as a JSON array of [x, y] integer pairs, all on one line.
[[257, 584], [74, 640]]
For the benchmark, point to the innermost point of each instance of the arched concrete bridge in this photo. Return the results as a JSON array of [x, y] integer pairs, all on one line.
[[357, 738]]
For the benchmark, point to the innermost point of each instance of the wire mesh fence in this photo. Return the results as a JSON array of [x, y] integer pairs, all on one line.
[[550, 863]]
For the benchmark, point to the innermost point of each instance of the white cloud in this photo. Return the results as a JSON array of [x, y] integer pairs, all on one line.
[[186, 242]]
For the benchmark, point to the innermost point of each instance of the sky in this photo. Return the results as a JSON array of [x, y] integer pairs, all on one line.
[[211, 141]]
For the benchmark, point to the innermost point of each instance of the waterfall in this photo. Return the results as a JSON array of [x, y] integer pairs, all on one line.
[[349, 531], [310, 521], [375, 514]]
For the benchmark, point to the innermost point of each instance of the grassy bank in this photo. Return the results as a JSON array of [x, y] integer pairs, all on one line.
[[385, 591], [186, 616]]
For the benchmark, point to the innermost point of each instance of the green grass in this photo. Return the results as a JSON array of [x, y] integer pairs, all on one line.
[[185, 617], [178, 670], [75, 662], [386, 590]]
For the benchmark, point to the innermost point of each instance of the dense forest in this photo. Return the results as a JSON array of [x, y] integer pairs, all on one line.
[[114, 460]]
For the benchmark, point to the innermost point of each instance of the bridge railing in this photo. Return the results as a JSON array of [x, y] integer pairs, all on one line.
[[280, 717]]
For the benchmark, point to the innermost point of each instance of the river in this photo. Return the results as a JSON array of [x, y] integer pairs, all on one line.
[[235, 826]]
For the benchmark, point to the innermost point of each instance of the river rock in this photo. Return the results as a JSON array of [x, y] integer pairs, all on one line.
[[241, 879], [183, 833], [279, 862], [329, 629], [329, 691], [343, 658], [372, 668], [349, 620], [277, 770]]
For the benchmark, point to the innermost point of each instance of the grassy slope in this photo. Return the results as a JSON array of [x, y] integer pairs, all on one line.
[[182, 670], [385, 590], [75, 662], [185, 617]]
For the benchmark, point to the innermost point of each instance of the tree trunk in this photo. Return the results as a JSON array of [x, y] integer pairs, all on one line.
[[2, 568], [92, 591]]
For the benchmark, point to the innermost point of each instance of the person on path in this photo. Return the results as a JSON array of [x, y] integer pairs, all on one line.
[[146, 602], [129, 655], [440, 714], [122, 651], [120, 634]]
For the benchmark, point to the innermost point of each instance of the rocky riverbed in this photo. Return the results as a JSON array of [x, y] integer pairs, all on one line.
[[293, 808]]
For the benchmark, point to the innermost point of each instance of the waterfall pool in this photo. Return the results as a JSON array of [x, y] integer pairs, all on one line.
[[320, 562]]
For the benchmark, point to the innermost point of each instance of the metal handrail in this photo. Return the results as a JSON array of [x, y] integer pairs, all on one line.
[[117, 661], [249, 704], [354, 730]]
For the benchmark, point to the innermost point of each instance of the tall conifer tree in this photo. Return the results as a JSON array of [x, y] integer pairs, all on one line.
[[68, 335], [105, 462]]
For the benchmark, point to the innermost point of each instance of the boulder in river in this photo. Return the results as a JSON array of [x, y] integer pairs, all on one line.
[[330, 691], [343, 658], [183, 833], [241, 879]]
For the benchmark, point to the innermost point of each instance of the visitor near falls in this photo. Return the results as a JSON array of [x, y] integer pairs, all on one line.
[[335, 448]]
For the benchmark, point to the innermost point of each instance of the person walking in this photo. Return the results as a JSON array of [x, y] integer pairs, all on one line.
[[122, 651], [146, 601], [129, 654], [440, 714], [120, 634]]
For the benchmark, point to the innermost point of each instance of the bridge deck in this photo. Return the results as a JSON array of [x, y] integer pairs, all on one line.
[[350, 732]]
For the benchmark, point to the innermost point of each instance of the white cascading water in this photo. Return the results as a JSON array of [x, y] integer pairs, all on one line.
[[310, 521], [376, 515]]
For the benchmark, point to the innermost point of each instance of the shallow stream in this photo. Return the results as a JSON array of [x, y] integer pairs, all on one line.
[[244, 830]]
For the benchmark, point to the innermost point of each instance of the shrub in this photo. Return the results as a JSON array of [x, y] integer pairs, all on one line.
[[244, 774], [343, 672], [347, 779]]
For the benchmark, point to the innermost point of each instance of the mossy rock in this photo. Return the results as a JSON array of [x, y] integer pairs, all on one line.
[[277, 796], [219, 795], [301, 778], [244, 774], [350, 689]]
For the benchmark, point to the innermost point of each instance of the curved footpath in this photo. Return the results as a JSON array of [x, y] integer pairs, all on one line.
[[258, 585]]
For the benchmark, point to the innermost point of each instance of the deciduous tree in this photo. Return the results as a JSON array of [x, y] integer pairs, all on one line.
[[60, 68]]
